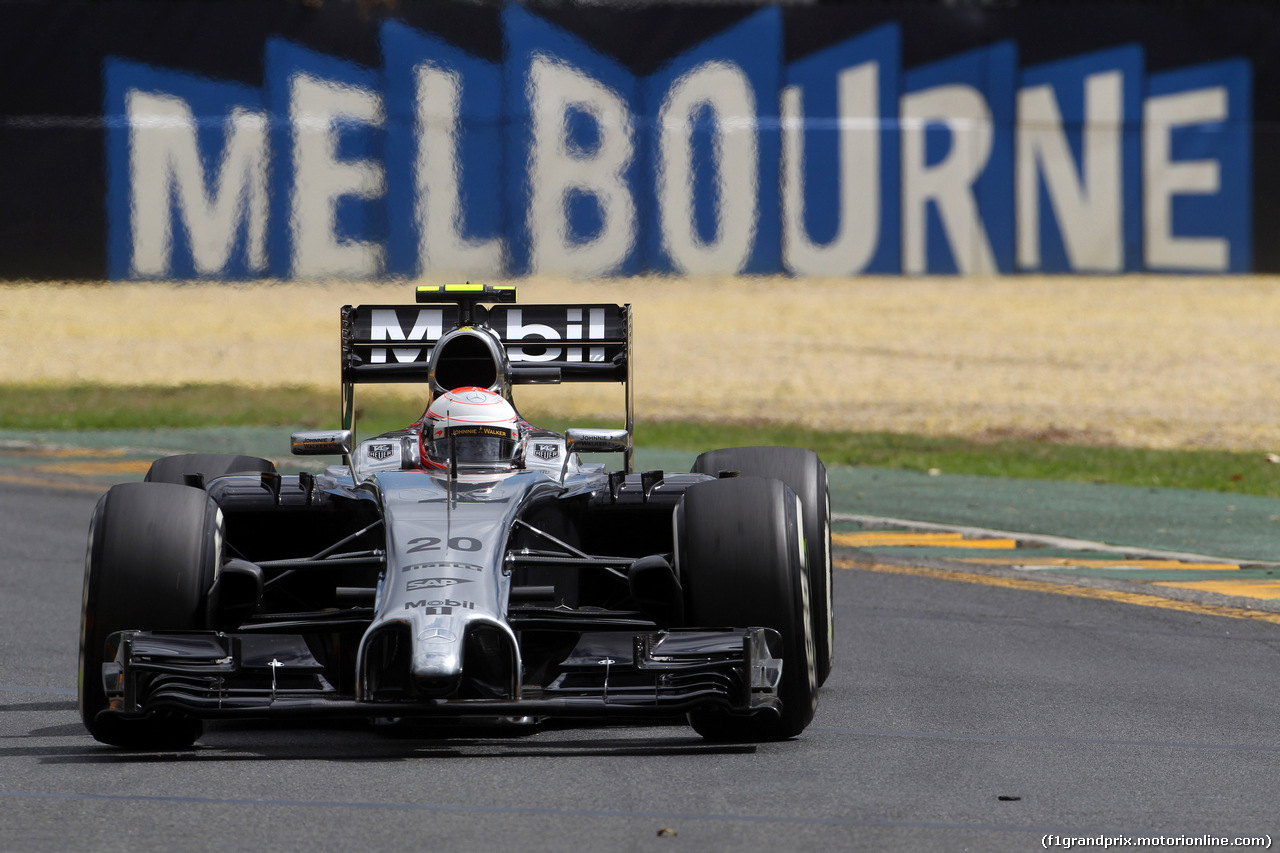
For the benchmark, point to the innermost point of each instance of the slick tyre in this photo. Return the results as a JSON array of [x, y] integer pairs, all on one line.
[[172, 469], [738, 554], [804, 472], [152, 554]]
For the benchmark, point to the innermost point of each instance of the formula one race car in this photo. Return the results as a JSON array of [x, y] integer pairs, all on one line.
[[468, 569]]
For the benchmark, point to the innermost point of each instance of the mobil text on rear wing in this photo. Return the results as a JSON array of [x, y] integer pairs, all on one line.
[[584, 343]]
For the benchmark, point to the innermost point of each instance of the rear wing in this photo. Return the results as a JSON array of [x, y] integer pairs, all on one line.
[[584, 343], [545, 344]]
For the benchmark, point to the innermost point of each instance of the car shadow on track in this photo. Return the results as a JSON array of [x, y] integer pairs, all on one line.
[[357, 743]]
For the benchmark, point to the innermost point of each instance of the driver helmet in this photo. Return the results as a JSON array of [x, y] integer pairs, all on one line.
[[481, 427]]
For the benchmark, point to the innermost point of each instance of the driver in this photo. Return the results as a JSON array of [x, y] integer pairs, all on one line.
[[478, 426]]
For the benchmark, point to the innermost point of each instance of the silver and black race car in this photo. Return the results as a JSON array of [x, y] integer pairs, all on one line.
[[399, 589]]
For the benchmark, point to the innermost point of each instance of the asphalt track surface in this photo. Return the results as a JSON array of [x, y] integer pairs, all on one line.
[[960, 716]]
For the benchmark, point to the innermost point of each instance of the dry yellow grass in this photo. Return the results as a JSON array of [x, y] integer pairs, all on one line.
[[1141, 361]]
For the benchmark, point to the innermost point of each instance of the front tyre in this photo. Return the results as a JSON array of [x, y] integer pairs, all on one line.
[[152, 557], [804, 472], [739, 556]]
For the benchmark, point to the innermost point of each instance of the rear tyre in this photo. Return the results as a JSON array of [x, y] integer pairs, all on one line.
[[804, 472], [738, 554], [152, 555], [171, 469]]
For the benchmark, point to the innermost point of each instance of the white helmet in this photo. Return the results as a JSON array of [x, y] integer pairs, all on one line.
[[477, 425]]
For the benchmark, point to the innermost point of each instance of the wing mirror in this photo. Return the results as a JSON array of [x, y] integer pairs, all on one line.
[[578, 440], [324, 443]]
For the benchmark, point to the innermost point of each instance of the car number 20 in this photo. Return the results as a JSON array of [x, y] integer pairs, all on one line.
[[432, 543]]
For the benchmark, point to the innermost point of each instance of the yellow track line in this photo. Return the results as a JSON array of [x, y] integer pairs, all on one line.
[[1091, 563], [883, 535], [45, 483], [888, 539], [78, 452], [96, 468], [1139, 598], [1244, 588]]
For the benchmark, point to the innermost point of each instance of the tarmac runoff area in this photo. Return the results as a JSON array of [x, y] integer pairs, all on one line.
[[1206, 552]]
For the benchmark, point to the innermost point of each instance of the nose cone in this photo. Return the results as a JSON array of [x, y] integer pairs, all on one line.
[[437, 669], [437, 658]]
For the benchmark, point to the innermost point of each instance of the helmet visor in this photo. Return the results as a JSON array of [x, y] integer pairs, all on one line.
[[487, 446]]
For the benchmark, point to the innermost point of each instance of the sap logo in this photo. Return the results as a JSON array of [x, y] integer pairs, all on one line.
[[433, 583], [723, 160]]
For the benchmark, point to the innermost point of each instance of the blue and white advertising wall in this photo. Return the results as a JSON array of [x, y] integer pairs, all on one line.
[[738, 146]]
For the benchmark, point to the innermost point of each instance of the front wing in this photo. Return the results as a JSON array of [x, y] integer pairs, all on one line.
[[211, 675]]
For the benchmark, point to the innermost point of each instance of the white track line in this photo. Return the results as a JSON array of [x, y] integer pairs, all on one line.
[[1044, 540]]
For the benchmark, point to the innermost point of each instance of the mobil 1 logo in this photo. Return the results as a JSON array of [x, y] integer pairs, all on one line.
[[440, 607]]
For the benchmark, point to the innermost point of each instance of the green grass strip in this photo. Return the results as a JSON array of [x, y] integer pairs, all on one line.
[[88, 407]]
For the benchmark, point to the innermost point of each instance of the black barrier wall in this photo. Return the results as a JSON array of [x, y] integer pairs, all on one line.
[[282, 139]]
